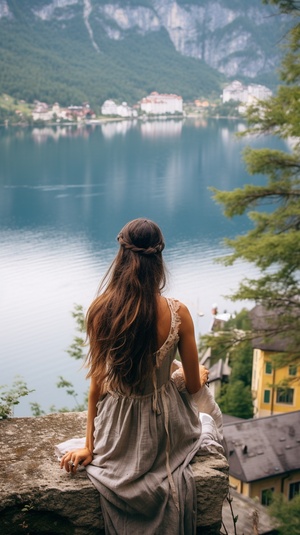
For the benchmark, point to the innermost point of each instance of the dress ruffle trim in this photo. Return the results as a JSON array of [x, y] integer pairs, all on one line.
[[173, 336]]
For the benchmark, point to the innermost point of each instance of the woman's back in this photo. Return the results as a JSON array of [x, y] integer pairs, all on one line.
[[163, 320]]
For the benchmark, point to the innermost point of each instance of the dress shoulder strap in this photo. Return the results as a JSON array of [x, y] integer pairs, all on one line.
[[173, 336]]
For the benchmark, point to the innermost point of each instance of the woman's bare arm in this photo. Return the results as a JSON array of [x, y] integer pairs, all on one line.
[[188, 351], [93, 398], [84, 456]]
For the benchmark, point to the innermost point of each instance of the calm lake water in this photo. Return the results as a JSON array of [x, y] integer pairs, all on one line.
[[65, 192]]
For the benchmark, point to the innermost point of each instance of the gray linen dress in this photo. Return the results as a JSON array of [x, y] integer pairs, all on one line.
[[142, 449]]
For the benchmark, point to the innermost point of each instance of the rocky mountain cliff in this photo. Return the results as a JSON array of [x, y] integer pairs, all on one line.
[[237, 38], [233, 37]]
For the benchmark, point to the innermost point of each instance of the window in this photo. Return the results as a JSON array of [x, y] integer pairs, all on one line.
[[292, 369], [266, 496], [285, 395], [267, 396], [294, 490], [268, 367]]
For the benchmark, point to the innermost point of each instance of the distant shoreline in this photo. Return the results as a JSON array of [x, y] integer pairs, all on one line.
[[103, 120]]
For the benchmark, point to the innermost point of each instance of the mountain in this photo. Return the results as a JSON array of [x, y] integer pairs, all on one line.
[[71, 51]]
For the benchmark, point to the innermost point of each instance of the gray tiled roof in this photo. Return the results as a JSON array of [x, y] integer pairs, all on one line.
[[265, 321], [219, 370], [228, 419], [263, 447]]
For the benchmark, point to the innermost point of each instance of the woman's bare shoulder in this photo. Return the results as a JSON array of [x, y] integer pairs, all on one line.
[[186, 321], [182, 309]]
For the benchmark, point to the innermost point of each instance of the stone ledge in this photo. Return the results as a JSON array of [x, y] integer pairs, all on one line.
[[37, 497]]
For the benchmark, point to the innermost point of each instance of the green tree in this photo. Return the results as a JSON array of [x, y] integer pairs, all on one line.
[[287, 514], [76, 350], [235, 399], [10, 397], [273, 243], [286, 6]]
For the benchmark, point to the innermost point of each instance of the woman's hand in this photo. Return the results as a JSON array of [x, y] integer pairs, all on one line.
[[178, 375], [203, 375], [72, 459]]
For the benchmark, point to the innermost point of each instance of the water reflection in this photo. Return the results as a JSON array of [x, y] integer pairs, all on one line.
[[149, 129], [161, 128], [109, 130], [200, 122], [42, 135]]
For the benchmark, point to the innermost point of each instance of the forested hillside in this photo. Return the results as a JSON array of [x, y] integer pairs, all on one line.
[[37, 68], [71, 51]]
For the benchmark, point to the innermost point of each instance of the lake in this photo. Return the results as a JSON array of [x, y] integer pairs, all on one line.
[[66, 191]]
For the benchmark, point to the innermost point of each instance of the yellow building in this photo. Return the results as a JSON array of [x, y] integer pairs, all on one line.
[[274, 390], [264, 456], [268, 396]]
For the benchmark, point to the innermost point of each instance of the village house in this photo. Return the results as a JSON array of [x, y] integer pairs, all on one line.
[[263, 452], [275, 390], [245, 94], [80, 113], [219, 374], [201, 103], [264, 456], [44, 112], [109, 107], [219, 371], [270, 393], [161, 104]]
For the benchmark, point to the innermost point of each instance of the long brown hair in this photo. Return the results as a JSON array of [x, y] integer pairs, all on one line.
[[122, 320]]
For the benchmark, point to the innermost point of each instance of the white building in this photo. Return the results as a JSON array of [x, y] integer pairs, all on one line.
[[159, 104], [260, 92], [235, 91], [42, 112], [125, 111], [109, 107], [245, 94]]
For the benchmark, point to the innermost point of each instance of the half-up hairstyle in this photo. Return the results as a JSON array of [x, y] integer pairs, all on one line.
[[122, 320]]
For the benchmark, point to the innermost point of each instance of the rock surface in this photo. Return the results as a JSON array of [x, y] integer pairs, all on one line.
[[37, 497]]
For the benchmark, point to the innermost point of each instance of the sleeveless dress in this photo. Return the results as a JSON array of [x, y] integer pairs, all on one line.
[[143, 446], [142, 449]]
